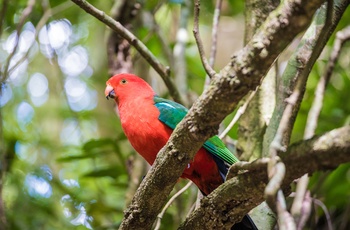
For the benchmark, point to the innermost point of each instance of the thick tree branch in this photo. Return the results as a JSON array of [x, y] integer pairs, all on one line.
[[246, 182], [255, 14], [163, 71], [241, 75], [118, 48], [254, 121]]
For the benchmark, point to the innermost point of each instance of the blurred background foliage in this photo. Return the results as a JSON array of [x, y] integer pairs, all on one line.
[[68, 161]]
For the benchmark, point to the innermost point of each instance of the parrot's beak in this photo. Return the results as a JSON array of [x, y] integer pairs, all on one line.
[[109, 92]]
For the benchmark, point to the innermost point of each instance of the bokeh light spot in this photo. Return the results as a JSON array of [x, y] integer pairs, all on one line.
[[18, 75], [25, 114], [25, 152], [27, 38], [38, 88], [58, 33], [82, 218], [70, 134], [70, 183], [6, 94], [37, 186], [45, 46], [74, 62]]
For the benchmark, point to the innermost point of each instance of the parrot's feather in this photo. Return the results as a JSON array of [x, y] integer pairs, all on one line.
[[171, 113]]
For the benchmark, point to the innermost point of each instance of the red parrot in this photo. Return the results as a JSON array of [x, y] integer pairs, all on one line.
[[148, 121]]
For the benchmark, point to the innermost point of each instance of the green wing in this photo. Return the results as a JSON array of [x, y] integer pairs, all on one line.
[[215, 146], [171, 113]]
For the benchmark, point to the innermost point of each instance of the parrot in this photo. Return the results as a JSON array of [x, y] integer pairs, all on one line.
[[148, 121]]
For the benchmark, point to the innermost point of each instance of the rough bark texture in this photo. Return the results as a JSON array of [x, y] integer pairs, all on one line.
[[255, 14], [254, 121], [118, 48], [246, 182], [242, 74]]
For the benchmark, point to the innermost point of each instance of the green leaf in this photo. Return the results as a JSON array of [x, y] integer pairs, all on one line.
[[98, 143], [113, 171]]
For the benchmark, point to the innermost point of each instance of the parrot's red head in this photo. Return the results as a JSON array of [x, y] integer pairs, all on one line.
[[126, 86]]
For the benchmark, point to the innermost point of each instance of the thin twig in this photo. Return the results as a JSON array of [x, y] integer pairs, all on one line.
[[305, 209], [315, 110], [163, 40], [238, 114], [48, 12], [325, 210], [208, 69], [284, 218], [300, 193], [25, 14], [163, 71], [171, 200], [214, 33], [193, 207], [2, 15], [276, 175], [179, 51]]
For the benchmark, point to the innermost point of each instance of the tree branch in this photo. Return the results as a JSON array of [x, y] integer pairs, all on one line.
[[226, 205], [208, 69], [298, 203], [238, 115], [118, 48], [242, 74], [214, 34], [310, 48], [170, 201], [163, 71], [3, 14], [311, 123], [254, 121], [296, 74], [25, 14]]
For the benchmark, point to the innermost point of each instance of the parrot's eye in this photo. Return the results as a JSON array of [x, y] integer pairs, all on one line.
[[123, 81]]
